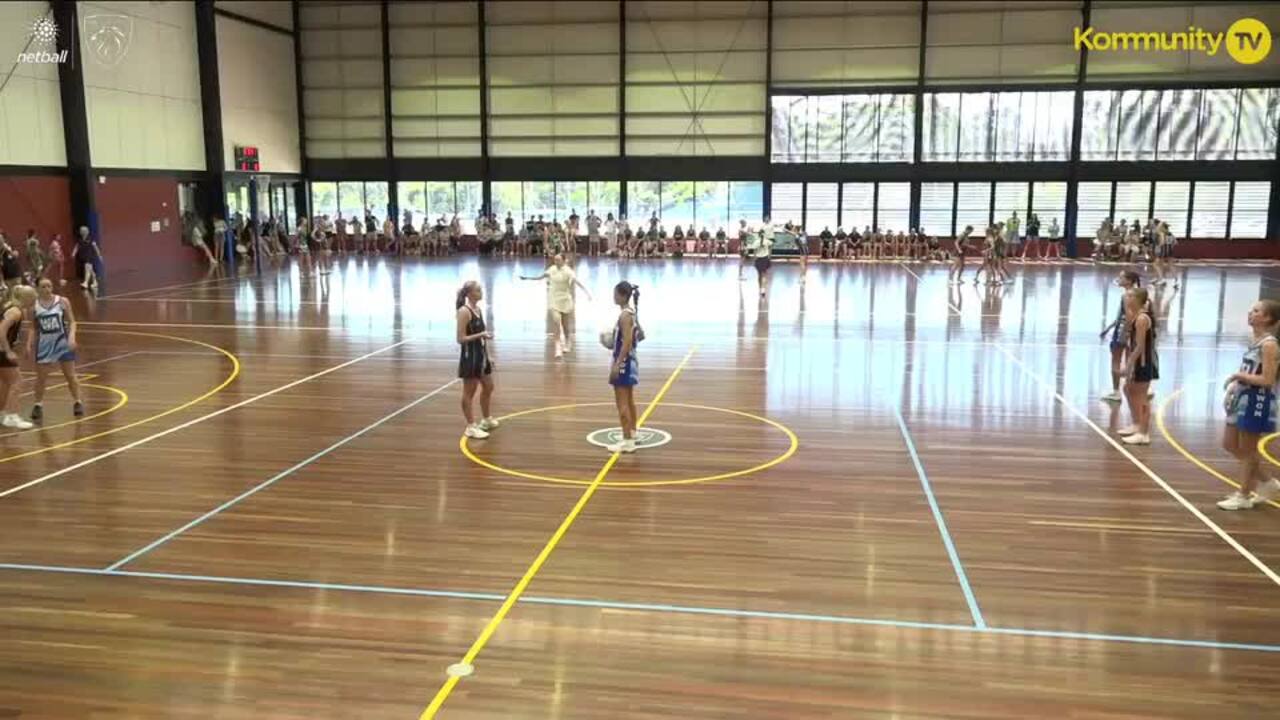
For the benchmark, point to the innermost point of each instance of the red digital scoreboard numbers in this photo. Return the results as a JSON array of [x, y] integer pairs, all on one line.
[[247, 158]]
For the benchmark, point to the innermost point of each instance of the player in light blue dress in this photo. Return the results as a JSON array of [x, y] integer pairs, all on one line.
[[624, 372], [1251, 407], [54, 341]]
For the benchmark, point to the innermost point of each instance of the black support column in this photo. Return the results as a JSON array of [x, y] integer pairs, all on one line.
[[1073, 168], [75, 119], [211, 193], [917, 151], [482, 32], [302, 198], [389, 147]]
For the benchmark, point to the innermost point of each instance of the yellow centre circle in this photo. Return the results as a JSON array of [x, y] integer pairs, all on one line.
[[1248, 41], [793, 445]]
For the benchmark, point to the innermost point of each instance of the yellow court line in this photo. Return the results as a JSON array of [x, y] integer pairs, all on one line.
[[235, 372], [1190, 456], [794, 445], [1263, 442], [122, 400], [465, 664]]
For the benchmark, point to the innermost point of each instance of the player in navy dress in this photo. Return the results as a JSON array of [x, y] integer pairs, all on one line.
[[1127, 280], [53, 342], [475, 364], [1141, 365], [624, 373], [21, 299], [1251, 407]]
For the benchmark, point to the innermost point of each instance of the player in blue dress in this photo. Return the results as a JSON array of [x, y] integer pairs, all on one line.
[[1251, 407], [624, 373], [53, 342]]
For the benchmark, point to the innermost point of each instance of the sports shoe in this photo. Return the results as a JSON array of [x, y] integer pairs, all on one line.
[[474, 431], [1136, 439], [37, 413], [1131, 430], [1113, 396], [1269, 490], [1236, 501], [487, 424], [568, 348], [626, 446], [13, 421], [559, 350], [78, 409]]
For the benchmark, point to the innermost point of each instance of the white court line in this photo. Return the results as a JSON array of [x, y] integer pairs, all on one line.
[[164, 287], [194, 421], [278, 476], [1146, 470], [1244, 552]]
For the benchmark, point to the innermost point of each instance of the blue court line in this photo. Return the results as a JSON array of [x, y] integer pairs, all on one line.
[[653, 607], [279, 476], [942, 524]]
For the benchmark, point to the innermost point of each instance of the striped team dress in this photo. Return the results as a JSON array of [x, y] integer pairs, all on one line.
[[473, 361]]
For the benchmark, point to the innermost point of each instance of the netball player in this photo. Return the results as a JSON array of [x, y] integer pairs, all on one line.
[[1141, 366], [1127, 280], [475, 365], [956, 275], [56, 259], [624, 373], [53, 341], [1251, 407], [21, 299], [762, 251], [561, 281]]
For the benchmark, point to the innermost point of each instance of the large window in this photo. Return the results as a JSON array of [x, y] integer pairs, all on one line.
[[1012, 198], [1049, 203], [893, 207], [788, 203], [1172, 202], [973, 206], [936, 203], [324, 198], [644, 199], [1209, 210], [997, 126], [1182, 124], [1094, 206], [709, 204], [1133, 202], [821, 207], [1249, 206], [430, 200], [350, 199], [858, 206], [843, 128], [746, 202]]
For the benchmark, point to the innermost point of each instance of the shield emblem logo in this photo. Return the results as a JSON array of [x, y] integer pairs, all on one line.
[[107, 37]]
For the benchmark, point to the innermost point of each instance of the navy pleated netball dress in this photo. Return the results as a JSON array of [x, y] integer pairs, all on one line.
[[473, 361]]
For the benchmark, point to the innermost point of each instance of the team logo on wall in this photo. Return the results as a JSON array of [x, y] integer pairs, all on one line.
[[108, 37], [645, 437]]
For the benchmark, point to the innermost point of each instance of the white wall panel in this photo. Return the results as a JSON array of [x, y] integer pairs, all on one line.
[[30, 106], [259, 102], [143, 105]]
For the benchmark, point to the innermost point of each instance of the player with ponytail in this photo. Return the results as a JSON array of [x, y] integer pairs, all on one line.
[[624, 373], [474, 362]]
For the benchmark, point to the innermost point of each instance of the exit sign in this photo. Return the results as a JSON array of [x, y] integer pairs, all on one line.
[[247, 158]]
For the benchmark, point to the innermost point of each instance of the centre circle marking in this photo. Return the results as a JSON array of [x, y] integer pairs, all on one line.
[[646, 437], [793, 446]]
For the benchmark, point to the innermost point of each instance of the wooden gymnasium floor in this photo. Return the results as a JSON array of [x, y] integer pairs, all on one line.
[[280, 523]]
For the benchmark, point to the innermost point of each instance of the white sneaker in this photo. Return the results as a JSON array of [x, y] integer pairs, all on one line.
[[488, 424], [1131, 430], [1136, 439], [474, 431], [1236, 501], [568, 348], [559, 350], [626, 446], [1268, 490], [1113, 396], [17, 423]]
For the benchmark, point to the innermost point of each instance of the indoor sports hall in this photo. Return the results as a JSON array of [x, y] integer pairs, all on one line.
[[950, 329]]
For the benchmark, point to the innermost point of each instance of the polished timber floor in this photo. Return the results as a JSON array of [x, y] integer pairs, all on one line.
[[882, 498]]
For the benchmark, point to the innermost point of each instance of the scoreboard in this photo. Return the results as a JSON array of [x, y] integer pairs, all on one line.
[[247, 158]]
